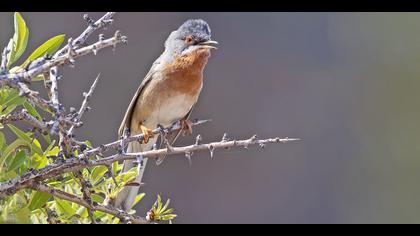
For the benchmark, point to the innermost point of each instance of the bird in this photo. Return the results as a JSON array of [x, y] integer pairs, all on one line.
[[166, 95]]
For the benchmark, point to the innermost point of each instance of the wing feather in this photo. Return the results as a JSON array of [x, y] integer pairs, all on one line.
[[129, 113]]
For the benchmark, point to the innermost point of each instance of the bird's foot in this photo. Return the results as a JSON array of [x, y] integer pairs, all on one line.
[[147, 133], [186, 126]]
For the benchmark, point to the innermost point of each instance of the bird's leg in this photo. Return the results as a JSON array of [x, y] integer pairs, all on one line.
[[163, 131], [148, 133], [186, 126]]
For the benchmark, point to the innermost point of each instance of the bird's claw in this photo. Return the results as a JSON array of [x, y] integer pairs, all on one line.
[[147, 134], [186, 126]]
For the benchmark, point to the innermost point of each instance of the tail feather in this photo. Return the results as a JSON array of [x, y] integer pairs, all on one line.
[[125, 198]]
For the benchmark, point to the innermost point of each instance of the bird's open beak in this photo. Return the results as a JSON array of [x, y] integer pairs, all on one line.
[[210, 44]]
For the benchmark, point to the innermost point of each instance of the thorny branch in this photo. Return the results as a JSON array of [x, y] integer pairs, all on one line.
[[63, 125], [104, 21], [38, 67], [24, 116], [84, 107], [83, 161], [73, 164]]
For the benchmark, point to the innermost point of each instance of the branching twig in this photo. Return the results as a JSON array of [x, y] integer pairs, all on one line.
[[104, 21], [25, 76], [73, 164], [24, 116], [84, 105], [54, 88], [85, 187], [189, 149]]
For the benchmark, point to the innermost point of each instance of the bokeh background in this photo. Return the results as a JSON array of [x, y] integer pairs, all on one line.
[[346, 83]]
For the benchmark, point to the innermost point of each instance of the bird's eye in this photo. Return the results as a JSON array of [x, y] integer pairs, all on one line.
[[189, 39]]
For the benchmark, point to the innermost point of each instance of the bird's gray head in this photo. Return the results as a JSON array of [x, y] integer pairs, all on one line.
[[189, 37]]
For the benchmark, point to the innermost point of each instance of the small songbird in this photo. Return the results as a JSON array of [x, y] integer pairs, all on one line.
[[167, 94]]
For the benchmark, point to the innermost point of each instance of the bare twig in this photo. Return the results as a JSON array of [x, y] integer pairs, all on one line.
[[34, 97], [140, 137], [54, 88], [25, 76], [3, 65], [189, 149], [84, 105], [104, 21], [24, 116]]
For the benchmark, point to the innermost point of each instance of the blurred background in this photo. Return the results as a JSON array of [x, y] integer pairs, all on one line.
[[346, 83]]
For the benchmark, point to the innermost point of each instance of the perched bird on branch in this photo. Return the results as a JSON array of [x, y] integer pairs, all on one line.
[[166, 95]]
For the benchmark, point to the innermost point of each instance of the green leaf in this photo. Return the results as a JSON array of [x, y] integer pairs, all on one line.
[[88, 143], [82, 212], [159, 203], [38, 217], [17, 44], [50, 148], [15, 69], [97, 198], [31, 110], [19, 133], [50, 47], [2, 141], [9, 109], [161, 212], [166, 206], [168, 217], [138, 199], [115, 167], [34, 144], [12, 98], [11, 47], [18, 160], [168, 211], [54, 151], [64, 207], [38, 161], [12, 101], [8, 175], [23, 34], [36, 147], [23, 216], [99, 214], [38, 200], [9, 149], [97, 173]]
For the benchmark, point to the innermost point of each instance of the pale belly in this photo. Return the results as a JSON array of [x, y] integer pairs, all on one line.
[[170, 110]]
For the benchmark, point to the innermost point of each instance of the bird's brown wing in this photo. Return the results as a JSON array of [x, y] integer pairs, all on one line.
[[171, 137], [129, 113]]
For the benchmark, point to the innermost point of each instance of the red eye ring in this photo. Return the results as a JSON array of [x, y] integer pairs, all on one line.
[[189, 39]]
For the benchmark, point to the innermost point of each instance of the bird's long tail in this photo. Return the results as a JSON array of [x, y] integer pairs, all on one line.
[[125, 198]]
